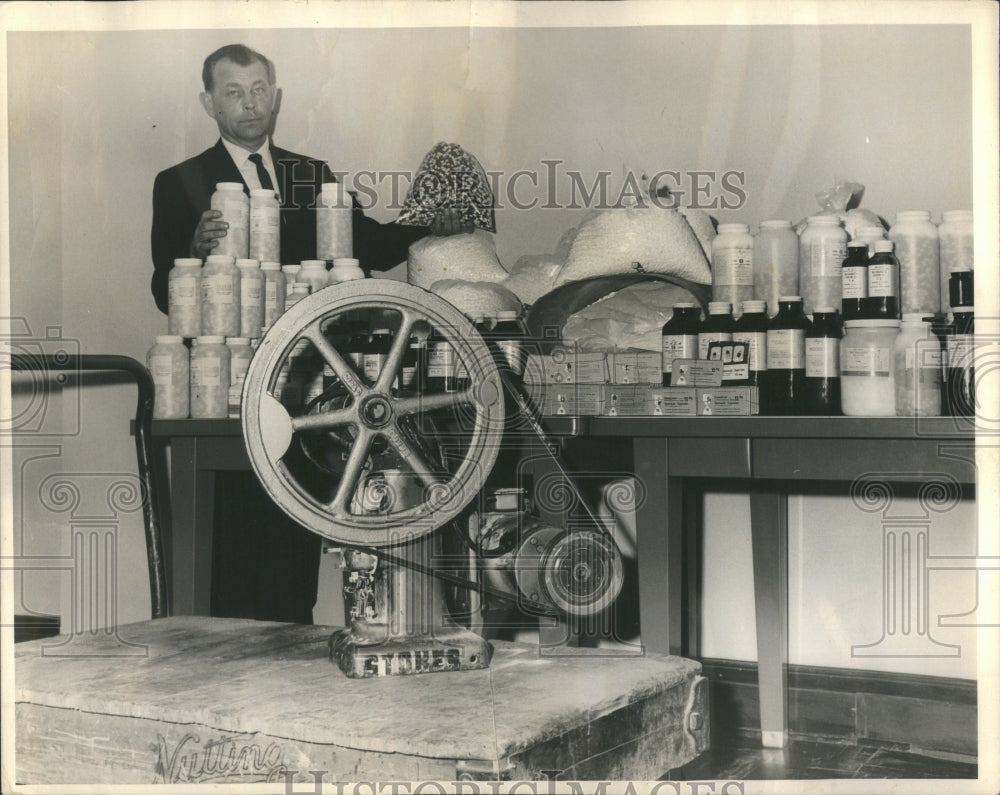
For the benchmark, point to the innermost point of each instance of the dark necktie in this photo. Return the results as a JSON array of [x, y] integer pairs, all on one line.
[[262, 175]]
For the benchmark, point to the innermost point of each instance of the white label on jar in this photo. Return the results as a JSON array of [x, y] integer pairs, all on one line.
[[161, 367], [866, 362], [757, 341], [735, 267], [238, 370], [822, 357], [271, 293], [827, 259], [206, 372], [679, 346], [217, 289], [440, 360], [707, 338], [882, 281], [786, 349], [408, 374], [183, 291], [372, 365], [855, 282], [250, 291], [264, 220], [930, 358], [960, 350], [235, 213]]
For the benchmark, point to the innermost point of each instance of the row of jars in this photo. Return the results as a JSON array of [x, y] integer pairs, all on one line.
[[777, 261], [254, 230], [239, 297], [203, 381], [916, 366]]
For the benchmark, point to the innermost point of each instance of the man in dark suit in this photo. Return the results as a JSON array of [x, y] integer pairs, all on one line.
[[264, 565], [240, 94]]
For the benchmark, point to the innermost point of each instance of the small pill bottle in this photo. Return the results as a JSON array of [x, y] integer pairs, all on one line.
[[220, 297], [275, 294], [314, 274], [184, 298], [210, 378], [345, 269], [822, 250], [240, 355], [234, 204], [334, 222], [732, 265], [251, 297], [265, 226]]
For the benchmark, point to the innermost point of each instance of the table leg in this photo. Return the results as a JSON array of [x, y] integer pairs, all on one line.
[[192, 499], [769, 539], [659, 533]]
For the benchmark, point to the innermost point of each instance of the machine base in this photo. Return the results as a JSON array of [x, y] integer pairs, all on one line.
[[450, 648]]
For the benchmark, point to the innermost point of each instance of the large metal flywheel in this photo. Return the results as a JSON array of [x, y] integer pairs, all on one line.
[[371, 456]]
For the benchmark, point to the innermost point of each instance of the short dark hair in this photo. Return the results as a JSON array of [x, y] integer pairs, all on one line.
[[239, 54]]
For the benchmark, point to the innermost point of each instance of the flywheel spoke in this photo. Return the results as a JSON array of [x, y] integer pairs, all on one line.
[[325, 420], [394, 360], [332, 356], [352, 472]]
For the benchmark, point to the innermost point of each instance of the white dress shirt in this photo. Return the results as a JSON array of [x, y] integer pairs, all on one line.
[[241, 157]]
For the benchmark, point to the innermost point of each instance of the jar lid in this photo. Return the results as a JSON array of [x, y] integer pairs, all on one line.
[[789, 298], [345, 262], [858, 244], [291, 268], [237, 341], [754, 306], [507, 314], [913, 215], [262, 193], [741, 228], [826, 310], [684, 305], [270, 266], [719, 307], [229, 186], [775, 224], [247, 263], [881, 323], [219, 259], [169, 339], [824, 220], [187, 262], [314, 263], [883, 246], [211, 339], [300, 287], [956, 215]]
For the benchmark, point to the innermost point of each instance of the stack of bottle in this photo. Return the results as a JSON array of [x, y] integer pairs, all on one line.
[[218, 310]]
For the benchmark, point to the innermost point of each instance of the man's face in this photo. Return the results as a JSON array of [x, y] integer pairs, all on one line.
[[241, 102]]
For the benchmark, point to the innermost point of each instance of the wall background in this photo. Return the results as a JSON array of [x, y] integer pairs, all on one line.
[[93, 116]]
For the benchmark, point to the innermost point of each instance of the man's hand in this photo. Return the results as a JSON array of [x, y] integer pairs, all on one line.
[[450, 222], [207, 234]]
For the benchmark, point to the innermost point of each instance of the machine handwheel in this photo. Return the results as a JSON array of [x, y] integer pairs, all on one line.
[[346, 455]]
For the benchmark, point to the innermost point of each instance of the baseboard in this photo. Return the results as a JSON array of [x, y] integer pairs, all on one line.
[[926, 713]]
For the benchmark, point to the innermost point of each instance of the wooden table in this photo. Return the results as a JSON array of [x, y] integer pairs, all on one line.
[[676, 459], [195, 700]]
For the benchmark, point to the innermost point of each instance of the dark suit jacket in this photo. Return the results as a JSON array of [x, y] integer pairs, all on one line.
[[182, 193]]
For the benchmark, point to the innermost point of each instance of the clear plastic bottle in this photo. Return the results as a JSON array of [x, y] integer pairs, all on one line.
[[917, 368], [299, 291], [867, 379], [854, 280], [168, 363], [786, 358], [265, 226], [916, 241], [291, 273], [775, 262], [220, 297], [822, 384], [883, 283], [251, 297], [334, 222], [822, 250], [210, 378], [869, 235], [314, 274], [752, 329], [732, 264], [679, 336], [956, 244], [345, 269], [184, 298], [233, 203], [239, 360], [275, 292], [716, 327]]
